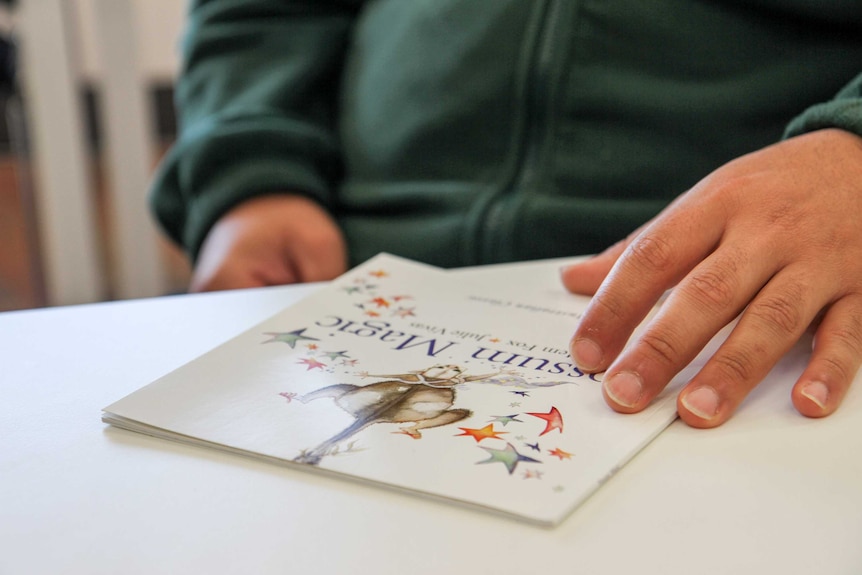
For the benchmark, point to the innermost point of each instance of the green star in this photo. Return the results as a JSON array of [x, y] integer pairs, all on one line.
[[508, 457], [505, 419], [333, 355], [289, 337]]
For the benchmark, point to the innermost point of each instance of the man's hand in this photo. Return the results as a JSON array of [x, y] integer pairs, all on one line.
[[775, 236], [270, 240]]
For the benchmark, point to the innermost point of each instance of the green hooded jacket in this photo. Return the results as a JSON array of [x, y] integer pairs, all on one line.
[[460, 132]]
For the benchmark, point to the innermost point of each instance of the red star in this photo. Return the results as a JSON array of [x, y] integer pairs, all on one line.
[[380, 302], [560, 453], [486, 432], [401, 297], [311, 363], [553, 419]]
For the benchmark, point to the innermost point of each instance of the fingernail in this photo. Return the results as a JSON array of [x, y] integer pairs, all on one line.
[[817, 392], [587, 355], [625, 388], [703, 402]]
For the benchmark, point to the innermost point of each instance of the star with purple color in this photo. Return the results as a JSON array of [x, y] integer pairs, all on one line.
[[508, 457], [521, 393], [289, 337], [534, 446]]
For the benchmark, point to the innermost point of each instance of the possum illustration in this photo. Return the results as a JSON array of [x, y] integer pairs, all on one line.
[[423, 398]]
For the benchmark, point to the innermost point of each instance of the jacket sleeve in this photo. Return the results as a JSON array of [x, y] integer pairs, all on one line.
[[844, 112], [256, 100]]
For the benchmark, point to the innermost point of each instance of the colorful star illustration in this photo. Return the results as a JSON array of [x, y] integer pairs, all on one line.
[[515, 404], [349, 362], [380, 302], [352, 289], [534, 446], [521, 393], [289, 337], [372, 313], [405, 312], [494, 340], [553, 420], [311, 363], [557, 452], [505, 419], [532, 474], [398, 298], [508, 457], [486, 432], [378, 274], [333, 355], [288, 395], [311, 346]]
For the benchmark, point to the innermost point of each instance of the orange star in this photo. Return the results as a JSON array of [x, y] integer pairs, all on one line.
[[380, 302], [560, 453], [553, 420], [312, 346], [494, 340], [372, 313], [378, 274], [486, 432]]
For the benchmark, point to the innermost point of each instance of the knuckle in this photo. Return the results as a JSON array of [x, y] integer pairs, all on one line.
[[735, 365], [609, 305], [851, 336], [652, 253], [780, 313], [835, 368], [661, 347], [714, 288]]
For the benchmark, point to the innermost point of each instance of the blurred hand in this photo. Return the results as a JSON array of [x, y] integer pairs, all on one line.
[[776, 236], [270, 240]]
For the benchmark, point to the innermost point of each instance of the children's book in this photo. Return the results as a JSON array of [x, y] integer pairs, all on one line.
[[415, 378]]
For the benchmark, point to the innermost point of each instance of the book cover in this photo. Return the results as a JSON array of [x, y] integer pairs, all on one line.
[[414, 378]]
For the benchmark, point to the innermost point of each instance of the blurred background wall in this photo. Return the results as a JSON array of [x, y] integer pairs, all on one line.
[[89, 117]]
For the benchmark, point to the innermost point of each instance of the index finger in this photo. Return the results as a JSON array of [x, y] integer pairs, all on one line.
[[661, 255]]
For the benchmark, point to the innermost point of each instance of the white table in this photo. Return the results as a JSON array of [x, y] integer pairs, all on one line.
[[769, 492]]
